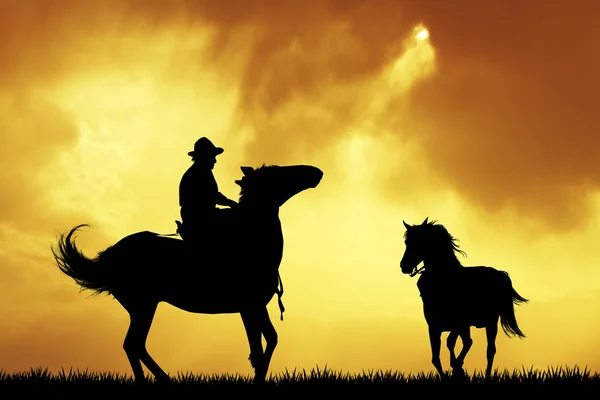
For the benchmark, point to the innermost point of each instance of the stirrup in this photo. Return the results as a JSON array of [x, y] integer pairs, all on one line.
[[180, 229]]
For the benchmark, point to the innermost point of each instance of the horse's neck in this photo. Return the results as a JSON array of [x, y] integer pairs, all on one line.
[[264, 240], [441, 263], [261, 224]]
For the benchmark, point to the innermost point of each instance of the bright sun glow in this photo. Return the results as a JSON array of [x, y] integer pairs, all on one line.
[[417, 61], [422, 33]]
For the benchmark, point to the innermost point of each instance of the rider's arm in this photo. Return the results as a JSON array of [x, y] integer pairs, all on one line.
[[224, 201]]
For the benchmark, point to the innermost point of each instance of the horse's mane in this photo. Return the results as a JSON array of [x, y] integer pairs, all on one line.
[[247, 182], [442, 236]]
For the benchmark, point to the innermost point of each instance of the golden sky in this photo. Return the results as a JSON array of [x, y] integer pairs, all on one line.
[[489, 125]]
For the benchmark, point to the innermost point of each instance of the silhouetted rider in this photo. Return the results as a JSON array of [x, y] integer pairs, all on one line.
[[198, 191]]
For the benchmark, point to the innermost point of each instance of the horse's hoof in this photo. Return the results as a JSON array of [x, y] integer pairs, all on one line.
[[260, 379], [458, 374], [163, 380]]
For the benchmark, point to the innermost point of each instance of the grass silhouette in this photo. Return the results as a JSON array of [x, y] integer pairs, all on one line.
[[518, 383]]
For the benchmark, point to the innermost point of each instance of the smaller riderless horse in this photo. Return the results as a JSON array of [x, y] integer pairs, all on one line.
[[236, 273], [456, 297]]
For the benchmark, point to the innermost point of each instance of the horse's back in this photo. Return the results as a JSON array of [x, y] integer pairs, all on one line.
[[145, 238], [483, 277], [195, 261]]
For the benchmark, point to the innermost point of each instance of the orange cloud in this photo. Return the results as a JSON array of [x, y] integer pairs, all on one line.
[[509, 120]]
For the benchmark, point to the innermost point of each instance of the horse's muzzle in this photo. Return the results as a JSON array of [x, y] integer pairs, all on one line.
[[315, 176], [407, 270]]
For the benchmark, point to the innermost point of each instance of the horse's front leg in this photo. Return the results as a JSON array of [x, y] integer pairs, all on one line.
[[252, 324], [435, 338], [271, 337]]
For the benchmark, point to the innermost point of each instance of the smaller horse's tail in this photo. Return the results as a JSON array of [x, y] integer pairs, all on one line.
[[88, 273], [510, 298]]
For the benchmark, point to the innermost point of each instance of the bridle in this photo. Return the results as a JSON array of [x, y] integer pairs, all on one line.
[[416, 271]]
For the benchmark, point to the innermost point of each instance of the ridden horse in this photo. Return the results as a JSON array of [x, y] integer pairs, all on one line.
[[456, 297], [238, 272]]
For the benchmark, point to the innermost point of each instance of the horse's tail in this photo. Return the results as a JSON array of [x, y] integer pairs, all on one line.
[[509, 298], [88, 273]]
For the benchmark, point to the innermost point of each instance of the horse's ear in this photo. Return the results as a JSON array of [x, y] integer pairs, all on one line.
[[425, 222], [239, 182], [405, 224], [247, 170]]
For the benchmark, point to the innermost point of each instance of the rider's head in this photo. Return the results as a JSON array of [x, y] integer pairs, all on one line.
[[205, 153]]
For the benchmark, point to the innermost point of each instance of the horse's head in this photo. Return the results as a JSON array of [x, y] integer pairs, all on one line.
[[428, 242], [273, 185]]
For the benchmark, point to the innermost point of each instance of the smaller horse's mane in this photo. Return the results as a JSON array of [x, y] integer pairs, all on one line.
[[440, 233], [258, 173]]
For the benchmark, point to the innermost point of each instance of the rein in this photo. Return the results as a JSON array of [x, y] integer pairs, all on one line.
[[417, 271]]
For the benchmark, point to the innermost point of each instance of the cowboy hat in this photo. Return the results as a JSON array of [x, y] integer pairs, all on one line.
[[204, 146]]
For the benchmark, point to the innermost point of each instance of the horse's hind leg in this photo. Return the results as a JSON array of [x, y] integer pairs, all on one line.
[[451, 343], [135, 343], [467, 342], [491, 331], [252, 324], [133, 356]]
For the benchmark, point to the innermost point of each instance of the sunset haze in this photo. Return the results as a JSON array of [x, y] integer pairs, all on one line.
[[481, 115]]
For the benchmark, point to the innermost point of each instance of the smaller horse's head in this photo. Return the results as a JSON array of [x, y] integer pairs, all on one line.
[[415, 239], [428, 241], [273, 185]]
